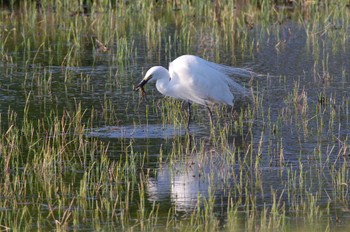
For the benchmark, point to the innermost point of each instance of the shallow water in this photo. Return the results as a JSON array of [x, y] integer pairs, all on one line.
[[138, 132], [285, 60]]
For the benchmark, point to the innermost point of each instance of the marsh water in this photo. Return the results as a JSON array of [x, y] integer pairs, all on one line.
[[299, 129]]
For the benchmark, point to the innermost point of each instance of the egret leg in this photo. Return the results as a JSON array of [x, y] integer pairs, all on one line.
[[210, 116], [189, 115]]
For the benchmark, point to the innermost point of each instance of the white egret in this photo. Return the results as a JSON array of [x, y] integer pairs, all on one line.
[[194, 79]]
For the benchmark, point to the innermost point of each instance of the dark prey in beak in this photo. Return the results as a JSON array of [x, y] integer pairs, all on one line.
[[140, 87]]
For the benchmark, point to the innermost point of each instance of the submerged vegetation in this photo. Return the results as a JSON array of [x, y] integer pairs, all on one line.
[[79, 150]]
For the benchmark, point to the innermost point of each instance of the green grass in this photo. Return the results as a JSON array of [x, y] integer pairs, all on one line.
[[56, 177]]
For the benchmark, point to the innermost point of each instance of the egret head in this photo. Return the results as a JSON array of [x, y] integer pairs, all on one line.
[[152, 74]]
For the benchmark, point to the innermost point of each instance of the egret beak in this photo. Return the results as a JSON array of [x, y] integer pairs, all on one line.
[[140, 85]]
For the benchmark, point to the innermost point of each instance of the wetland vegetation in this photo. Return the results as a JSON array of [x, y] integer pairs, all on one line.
[[80, 151]]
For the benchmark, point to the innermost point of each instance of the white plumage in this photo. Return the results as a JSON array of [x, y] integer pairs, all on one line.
[[194, 79]]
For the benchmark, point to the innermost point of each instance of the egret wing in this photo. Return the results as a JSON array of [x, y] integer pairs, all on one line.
[[205, 82]]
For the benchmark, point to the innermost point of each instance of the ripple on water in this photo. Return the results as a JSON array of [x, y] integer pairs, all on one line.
[[138, 131]]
